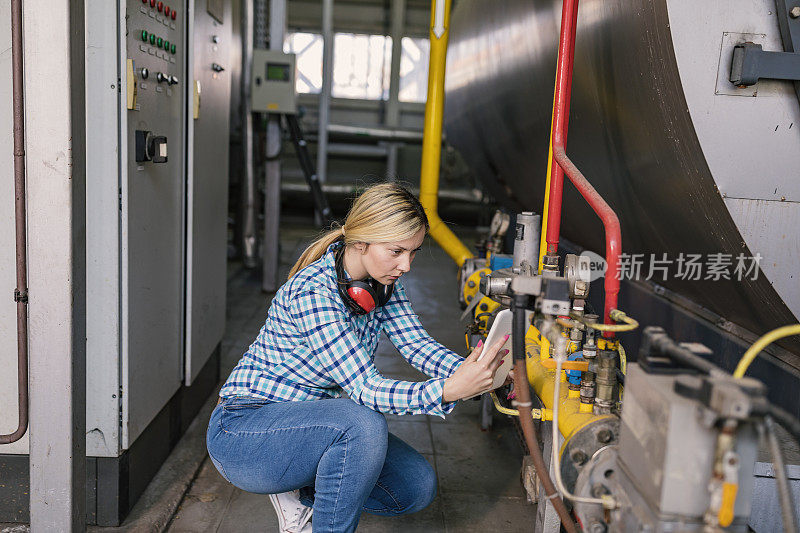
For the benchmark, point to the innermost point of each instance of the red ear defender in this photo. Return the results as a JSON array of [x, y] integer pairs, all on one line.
[[362, 297]]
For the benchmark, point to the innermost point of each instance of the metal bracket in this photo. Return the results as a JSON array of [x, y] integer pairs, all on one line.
[[21, 296], [750, 62]]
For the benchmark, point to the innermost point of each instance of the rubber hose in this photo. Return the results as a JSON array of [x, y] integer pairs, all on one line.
[[525, 419]]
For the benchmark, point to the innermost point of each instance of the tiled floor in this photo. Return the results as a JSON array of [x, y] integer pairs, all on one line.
[[478, 472]]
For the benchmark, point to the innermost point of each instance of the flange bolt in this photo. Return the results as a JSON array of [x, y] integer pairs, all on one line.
[[604, 436]]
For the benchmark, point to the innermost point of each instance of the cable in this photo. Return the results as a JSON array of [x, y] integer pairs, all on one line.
[[606, 501], [784, 491], [760, 344], [623, 359]]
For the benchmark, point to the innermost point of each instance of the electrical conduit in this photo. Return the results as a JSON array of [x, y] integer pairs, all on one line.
[[21, 293]]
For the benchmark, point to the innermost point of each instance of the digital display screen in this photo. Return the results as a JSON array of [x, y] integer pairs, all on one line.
[[277, 72]]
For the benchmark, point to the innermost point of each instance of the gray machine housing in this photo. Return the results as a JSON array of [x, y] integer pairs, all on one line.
[[662, 467]]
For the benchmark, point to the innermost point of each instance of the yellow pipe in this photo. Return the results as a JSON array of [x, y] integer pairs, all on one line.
[[536, 414], [762, 343], [432, 135], [570, 416], [543, 237]]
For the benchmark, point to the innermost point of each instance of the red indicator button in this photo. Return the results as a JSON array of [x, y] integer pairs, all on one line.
[[173, 14], [144, 1], [160, 6], [152, 3], [166, 11]]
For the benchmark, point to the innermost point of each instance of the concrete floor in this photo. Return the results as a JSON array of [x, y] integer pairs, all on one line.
[[478, 472]]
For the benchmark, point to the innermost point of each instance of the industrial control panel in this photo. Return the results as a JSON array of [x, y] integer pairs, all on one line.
[[152, 201], [272, 88], [157, 84]]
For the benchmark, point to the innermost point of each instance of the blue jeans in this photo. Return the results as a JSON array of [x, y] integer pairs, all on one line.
[[340, 454]]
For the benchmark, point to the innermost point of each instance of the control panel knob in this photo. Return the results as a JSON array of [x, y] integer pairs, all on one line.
[[173, 80], [145, 73], [216, 67], [215, 39], [150, 147], [161, 77]]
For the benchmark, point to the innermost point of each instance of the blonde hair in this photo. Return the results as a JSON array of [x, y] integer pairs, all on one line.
[[386, 212]]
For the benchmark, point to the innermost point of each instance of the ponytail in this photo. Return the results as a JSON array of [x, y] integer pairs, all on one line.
[[385, 212], [316, 250]]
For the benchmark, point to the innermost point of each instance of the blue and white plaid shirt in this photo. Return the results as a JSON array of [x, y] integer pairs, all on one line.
[[312, 347]]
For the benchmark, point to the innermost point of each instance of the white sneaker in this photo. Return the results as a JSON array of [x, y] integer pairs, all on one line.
[[293, 516]]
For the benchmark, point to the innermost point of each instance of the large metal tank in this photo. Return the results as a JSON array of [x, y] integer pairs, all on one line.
[[690, 163]]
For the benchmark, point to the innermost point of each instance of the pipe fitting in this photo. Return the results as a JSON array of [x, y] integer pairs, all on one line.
[[606, 383]]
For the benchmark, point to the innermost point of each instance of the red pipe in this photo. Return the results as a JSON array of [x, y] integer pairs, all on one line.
[[566, 60], [610, 223], [562, 165]]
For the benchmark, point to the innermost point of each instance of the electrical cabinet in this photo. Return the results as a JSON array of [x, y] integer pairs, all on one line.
[[272, 87], [152, 211], [207, 198], [157, 117]]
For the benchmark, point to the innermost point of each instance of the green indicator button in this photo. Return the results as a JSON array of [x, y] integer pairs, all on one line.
[[152, 39], [144, 35], [160, 42], [173, 49], [166, 45]]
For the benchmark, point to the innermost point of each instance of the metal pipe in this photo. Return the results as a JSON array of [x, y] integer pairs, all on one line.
[[787, 420], [248, 192], [560, 123], [524, 406], [398, 19], [392, 117], [546, 209], [566, 56], [357, 150], [272, 168], [21, 292], [325, 94], [456, 195], [432, 134], [610, 223], [784, 490], [377, 133]]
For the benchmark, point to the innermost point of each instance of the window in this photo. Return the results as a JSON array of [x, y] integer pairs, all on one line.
[[414, 69], [361, 66], [308, 47]]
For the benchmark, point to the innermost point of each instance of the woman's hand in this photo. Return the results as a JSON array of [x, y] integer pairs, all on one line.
[[474, 377]]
